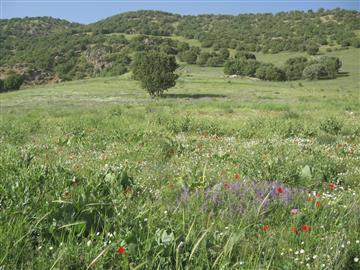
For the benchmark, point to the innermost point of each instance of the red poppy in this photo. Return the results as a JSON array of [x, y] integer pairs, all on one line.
[[121, 250], [318, 204], [280, 190], [237, 175], [293, 229], [305, 228], [265, 228], [226, 185], [318, 194], [331, 186]]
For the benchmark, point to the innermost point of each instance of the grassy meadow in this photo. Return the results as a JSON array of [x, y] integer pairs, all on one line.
[[218, 174]]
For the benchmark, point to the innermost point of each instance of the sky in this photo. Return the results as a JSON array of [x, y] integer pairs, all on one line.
[[88, 11]]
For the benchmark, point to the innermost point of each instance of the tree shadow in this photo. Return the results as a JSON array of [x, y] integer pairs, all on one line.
[[342, 74], [193, 96]]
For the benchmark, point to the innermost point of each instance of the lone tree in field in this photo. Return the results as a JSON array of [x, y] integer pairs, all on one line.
[[155, 71]]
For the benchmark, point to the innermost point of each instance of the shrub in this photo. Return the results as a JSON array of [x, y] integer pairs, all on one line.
[[224, 53], [331, 125], [189, 56], [241, 66], [270, 73], [312, 49], [2, 88], [203, 58], [215, 61], [315, 72], [244, 54], [155, 71], [13, 82], [294, 67]]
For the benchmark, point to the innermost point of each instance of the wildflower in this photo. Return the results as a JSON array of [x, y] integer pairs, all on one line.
[[280, 190], [302, 251], [318, 194], [51, 248], [265, 228], [293, 229], [331, 186], [305, 228], [226, 185], [318, 204], [309, 199], [356, 259], [66, 194], [357, 241], [121, 250], [294, 211], [237, 175]]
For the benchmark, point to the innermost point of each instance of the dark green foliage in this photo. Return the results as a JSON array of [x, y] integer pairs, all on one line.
[[315, 72], [323, 67], [70, 51], [242, 66], [312, 49], [244, 54], [270, 73], [224, 53], [155, 71], [13, 82], [294, 67], [2, 88], [202, 59], [189, 56]]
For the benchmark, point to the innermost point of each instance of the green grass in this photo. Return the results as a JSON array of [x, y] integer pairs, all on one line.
[[88, 166]]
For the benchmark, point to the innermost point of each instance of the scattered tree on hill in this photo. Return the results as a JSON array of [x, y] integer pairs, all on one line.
[[294, 67], [241, 66], [315, 72], [244, 54], [312, 49], [155, 71], [269, 72]]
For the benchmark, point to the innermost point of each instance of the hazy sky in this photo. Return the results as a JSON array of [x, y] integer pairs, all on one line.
[[90, 11]]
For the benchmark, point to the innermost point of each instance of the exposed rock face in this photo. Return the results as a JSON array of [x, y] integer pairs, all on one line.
[[37, 76]]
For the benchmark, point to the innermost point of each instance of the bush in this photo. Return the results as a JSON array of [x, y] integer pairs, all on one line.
[[312, 49], [332, 65], [241, 66], [294, 67], [2, 88], [224, 53], [155, 71], [315, 72], [13, 82], [270, 73], [331, 125], [203, 58], [244, 54], [189, 56]]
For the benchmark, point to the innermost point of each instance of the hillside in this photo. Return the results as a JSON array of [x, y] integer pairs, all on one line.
[[180, 182], [47, 49]]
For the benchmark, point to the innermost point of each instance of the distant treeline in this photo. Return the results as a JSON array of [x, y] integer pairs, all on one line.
[[44, 48]]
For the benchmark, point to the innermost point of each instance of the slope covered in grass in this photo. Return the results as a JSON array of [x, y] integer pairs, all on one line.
[[218, 174]]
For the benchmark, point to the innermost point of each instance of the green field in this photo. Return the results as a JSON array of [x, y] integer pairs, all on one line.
[[203, 178]]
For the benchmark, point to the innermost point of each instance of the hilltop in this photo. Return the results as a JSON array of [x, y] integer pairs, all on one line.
[[47, 49]]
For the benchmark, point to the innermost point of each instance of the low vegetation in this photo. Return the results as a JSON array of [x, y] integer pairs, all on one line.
[[220, 173]]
